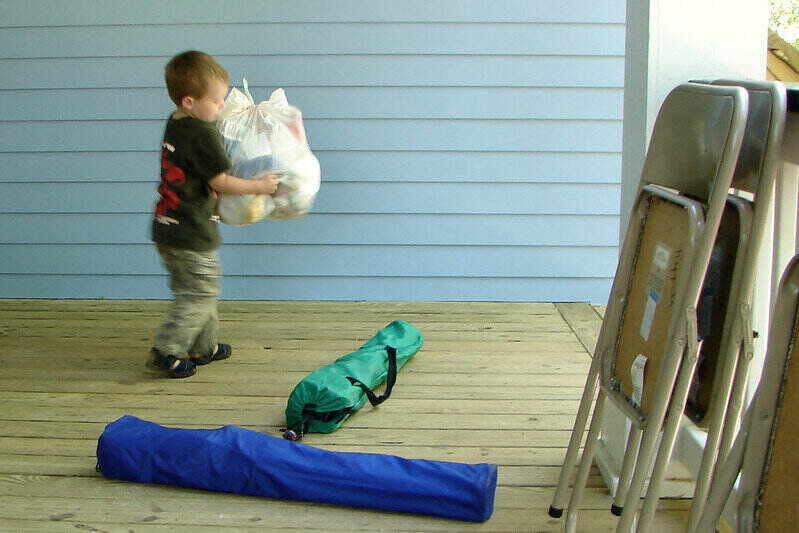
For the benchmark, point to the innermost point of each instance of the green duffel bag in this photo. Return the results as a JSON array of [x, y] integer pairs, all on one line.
[[322, 401]]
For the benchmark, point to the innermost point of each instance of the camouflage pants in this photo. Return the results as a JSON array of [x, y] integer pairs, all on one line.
[[191, 324]]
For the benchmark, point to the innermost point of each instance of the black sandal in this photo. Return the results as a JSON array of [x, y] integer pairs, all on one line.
[[175, 367], [223, 351]]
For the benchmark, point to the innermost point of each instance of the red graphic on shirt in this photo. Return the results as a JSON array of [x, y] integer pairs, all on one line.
[[171, 177]]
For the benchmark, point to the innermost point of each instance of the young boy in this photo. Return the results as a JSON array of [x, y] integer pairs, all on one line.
[[193, 171]]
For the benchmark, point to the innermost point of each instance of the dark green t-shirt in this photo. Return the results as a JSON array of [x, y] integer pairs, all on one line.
[[191, 154]]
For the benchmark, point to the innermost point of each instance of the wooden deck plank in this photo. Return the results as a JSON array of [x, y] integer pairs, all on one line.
[[212, 388], [322, 330], [280, 306], [594, 521], [352, 434], [477, 321], [503, 456], [226, 511], [508, 475], [493, 382], [397, 405], [98, 488], [233, 374], [276, 361], [214, 416], [80, 341], [255, 351]]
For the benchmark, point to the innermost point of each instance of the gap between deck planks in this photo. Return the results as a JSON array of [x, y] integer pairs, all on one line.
[[493, 382]]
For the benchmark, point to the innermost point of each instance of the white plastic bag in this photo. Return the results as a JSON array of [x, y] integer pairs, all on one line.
[[267, 138]]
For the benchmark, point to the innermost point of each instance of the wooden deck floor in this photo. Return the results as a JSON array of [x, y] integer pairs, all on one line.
[[493, 382]]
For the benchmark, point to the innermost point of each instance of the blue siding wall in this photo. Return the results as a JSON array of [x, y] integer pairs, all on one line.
[[470, 149]]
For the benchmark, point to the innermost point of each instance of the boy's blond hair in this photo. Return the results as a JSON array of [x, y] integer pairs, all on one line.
[[188, 74]]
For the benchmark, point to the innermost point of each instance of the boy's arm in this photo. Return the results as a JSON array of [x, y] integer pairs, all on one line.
[[226, 184]]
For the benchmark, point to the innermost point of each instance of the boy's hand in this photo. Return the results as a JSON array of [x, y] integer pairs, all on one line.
[[268, 184], [227, 184]]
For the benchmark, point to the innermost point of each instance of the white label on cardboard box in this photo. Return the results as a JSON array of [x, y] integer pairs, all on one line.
[[654, 286], [637, 374], [662, 256]]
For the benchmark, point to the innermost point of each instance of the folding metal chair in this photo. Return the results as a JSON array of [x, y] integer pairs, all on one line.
[[764, 452], [650, 320], [726, 352]]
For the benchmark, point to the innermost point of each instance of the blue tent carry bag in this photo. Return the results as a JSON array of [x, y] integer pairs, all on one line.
[[233, 459]]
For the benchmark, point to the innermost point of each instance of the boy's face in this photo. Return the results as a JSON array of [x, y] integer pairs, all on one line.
[[207, 107]]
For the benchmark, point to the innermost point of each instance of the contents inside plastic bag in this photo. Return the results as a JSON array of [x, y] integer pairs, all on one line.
[[267, 138]]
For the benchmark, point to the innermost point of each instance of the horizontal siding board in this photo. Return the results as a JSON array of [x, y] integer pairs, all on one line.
[[485, 167], [316, 288], [310, 38], [337, 197], [333, 103], [338, 134], [316, 229], [327, 70], [36, 13], [326, 260]]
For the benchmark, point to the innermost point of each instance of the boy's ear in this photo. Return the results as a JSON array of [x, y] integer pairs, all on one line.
[[187, 101]]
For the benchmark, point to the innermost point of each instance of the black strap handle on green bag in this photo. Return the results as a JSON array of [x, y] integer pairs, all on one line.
[[391, 378]]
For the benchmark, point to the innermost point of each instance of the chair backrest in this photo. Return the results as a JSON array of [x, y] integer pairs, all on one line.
[[730, 277], [769, 490], [691, 139], [764, 453], [670, 232], [717, 301], [760, 150], [688, 169]]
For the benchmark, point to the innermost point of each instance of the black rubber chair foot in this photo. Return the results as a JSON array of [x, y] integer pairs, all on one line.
[[554, 512], [615, 509]]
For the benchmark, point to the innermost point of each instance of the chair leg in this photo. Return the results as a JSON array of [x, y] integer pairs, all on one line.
[[670, 430], [736, 405], [640, 473], [630, 457], [559, 500], [585, 464], [720, 413], [723, 482], [655, 417]]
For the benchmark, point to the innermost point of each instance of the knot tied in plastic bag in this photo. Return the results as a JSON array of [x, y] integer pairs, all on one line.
[[261, 139]]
